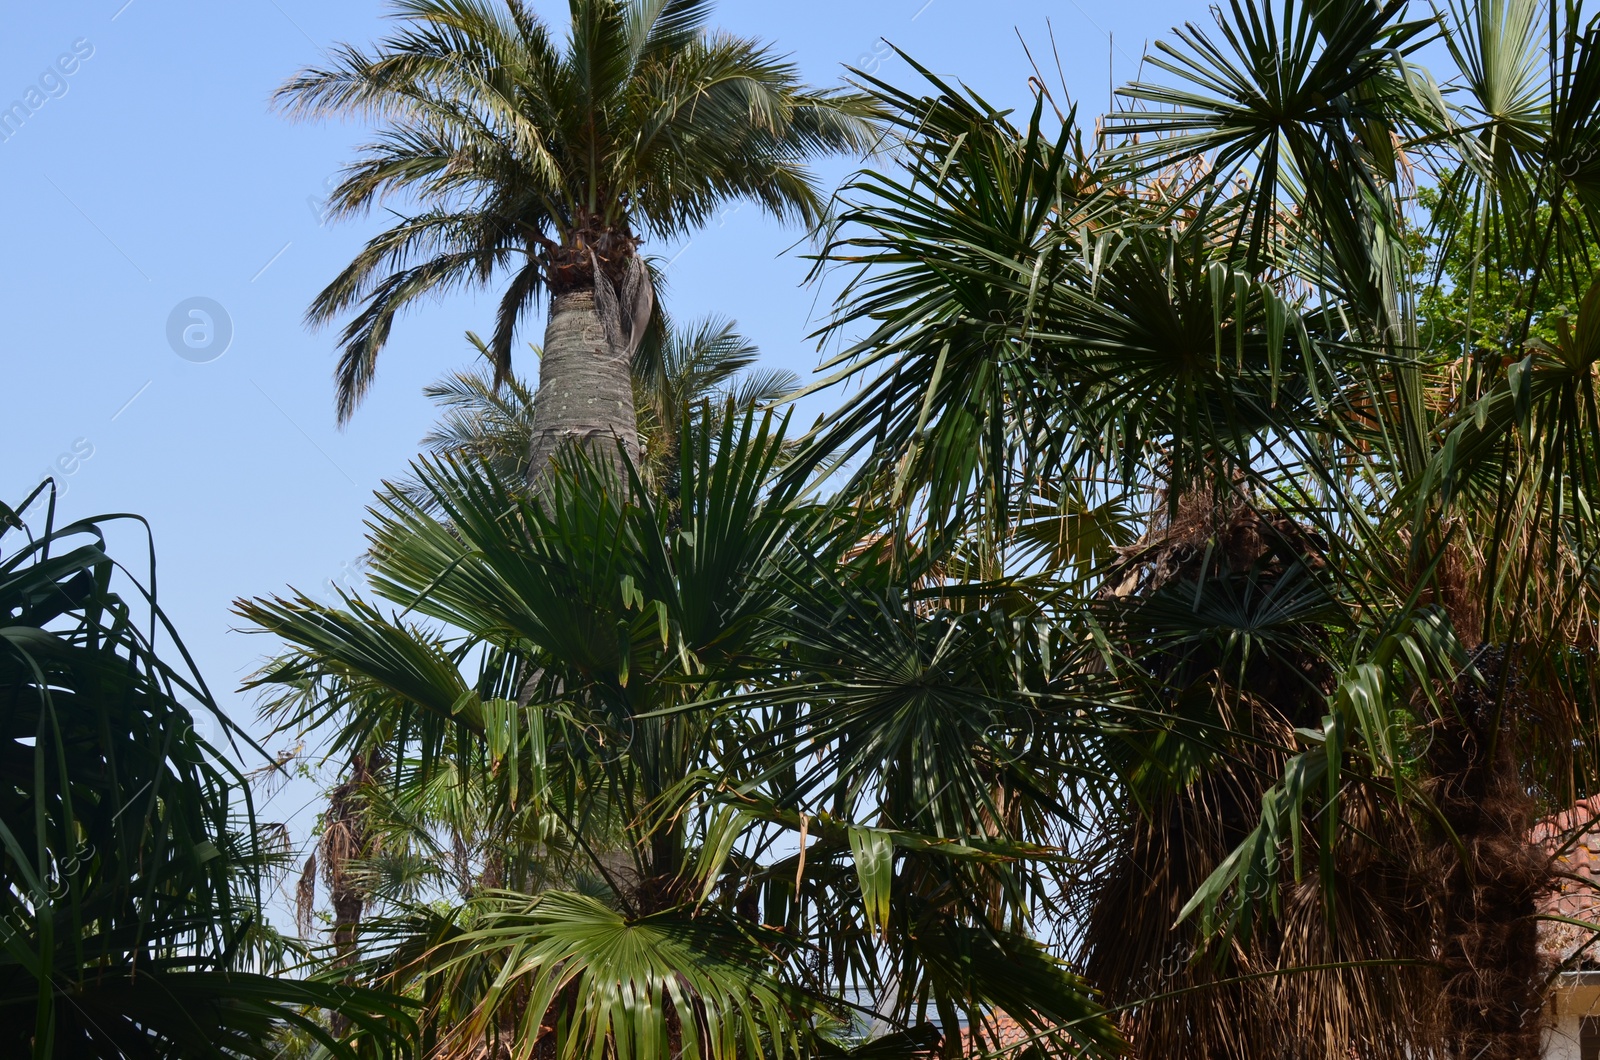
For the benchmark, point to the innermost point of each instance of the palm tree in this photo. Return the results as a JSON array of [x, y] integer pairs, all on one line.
[[1183, 610], [676, 370], [552, 165], [1349, 599], [732, 785], [691, 377]]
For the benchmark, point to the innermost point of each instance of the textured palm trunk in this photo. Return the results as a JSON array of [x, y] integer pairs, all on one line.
[[1488, 871], [344, 839], [585, 395]]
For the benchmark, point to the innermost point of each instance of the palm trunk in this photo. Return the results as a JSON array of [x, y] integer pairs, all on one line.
[[344, 840], [585, 395], [1488, 873]]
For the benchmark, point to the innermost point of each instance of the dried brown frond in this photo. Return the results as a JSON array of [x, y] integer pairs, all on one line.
[[1488, 869], [305, 896], [1253, 996], [344, 840]]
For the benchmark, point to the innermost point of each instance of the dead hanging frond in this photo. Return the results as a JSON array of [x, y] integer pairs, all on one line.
[[1195, 532], [305, 896], [1347, 944], [269, 779], [461, 856], [625, 314], [1331, 975], [1184, 1002], [607, 305], [344, 842], [1329, 971]]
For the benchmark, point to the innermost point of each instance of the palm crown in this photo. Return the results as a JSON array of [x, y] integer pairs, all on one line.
[[551, 163]]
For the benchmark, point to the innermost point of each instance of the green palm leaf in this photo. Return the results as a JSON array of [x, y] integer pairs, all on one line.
[[127, 842]]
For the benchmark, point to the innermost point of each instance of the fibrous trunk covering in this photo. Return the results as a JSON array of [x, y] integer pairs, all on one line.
[[344, 840], [1489, 876], [1249, 996], [1431, 948]]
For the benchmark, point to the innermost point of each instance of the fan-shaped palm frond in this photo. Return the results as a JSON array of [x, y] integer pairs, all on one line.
[[657, 655], [579, 973], [1210, 327]]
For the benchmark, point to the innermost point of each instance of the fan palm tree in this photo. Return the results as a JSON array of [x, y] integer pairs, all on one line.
[[1350, 586], [550, 165], [1182, 607], [661, 703]]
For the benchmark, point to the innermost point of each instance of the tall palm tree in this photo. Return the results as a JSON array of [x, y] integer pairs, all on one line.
[[549, 165], [675, 371], [1181, 606]]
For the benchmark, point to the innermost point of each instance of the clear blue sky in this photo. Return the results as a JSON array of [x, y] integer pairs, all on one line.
[[154, 171]]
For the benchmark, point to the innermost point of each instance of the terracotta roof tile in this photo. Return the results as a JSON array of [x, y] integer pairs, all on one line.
[[1577, 863], [995, 1033]]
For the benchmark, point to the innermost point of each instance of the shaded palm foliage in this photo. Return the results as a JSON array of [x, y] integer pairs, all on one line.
[[130, 910], [744, 797]]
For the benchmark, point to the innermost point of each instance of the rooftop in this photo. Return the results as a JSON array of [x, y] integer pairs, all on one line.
[[1573, 837]]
